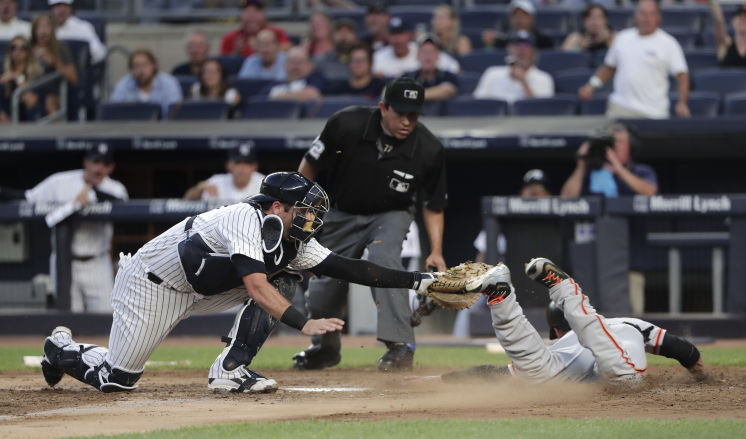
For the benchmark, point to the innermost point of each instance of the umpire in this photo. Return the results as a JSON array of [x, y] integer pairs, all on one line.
[[374, 162]]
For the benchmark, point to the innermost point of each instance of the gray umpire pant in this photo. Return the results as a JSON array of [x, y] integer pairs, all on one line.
[[349, 235]]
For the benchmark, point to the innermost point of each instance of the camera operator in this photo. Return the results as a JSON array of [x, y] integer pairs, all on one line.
[[604, 167]]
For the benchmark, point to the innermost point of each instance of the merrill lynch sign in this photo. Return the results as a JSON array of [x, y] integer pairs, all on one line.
[[539, 206], [682, 203]]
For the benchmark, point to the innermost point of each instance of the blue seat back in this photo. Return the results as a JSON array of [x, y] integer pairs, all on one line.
[[468, 106], [128, 111], [556, 106], [200, 110]]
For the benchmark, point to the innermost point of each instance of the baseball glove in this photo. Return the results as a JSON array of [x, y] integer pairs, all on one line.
[[458, 287]]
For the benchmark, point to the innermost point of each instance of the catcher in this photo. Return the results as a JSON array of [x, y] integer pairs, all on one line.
[[590, 346]]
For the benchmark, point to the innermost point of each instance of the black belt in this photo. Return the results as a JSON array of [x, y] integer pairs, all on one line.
[[84, 258], [155, 279]]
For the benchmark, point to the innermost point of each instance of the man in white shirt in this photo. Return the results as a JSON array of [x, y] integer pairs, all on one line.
[[640, 61], [400, 56], [241, 181], [70, 27], [10, 25], [520, 79]]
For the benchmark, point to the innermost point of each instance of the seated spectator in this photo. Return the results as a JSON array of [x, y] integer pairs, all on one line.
[[361, 81], [53, 56], [70, 27], [19, 68], [10, 25], [522, 18], [145, 83], [520, 79], [197, 49], [319, 41], [302, 84], [377, 26], [447, 27], [400, 56], [268, 62], [641, 60], [596, 34], [213, 85], [253, 20], [241, 181], [611, 171], [439, 84], [333, 65], [731, 51]]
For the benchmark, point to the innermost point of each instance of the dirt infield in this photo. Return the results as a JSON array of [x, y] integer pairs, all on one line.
[[28, 408]]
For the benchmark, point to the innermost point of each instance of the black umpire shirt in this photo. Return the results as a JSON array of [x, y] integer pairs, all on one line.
[[365, 171]]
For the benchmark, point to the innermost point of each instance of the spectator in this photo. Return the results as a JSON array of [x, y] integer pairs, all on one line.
[[439, 84], [70, 27], [596, 34], [319, 41], [10, 25], [241, 181], [253, 20], [640, 61], [197, 49], [361, 81], [400, 56], [333, 65], [145, 83], [302, 84], [53, 56], [605, 167], [520, 79], [377, 26], [447, 28], [19, 68], [213, 85], [268, 62], [522, 18], [731, 51]]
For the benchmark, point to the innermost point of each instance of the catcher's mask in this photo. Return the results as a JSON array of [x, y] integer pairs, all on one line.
[[556, 319]]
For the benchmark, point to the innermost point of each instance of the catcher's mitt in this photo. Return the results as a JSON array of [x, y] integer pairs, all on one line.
[[449, 290]]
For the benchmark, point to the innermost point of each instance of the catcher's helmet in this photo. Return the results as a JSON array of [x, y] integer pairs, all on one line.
[[296, 190], [556, 319]]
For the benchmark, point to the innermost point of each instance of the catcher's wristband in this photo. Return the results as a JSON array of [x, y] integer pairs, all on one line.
[[293, 318]]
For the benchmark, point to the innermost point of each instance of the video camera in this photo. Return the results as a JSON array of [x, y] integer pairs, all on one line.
[[596, 156]]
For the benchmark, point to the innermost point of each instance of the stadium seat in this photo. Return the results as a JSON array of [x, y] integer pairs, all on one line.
[[266, 109], [468, 106], [686, 37], [549, 20], [734, 104], [249, 88], [475, 38], [620, 18], [597, 58], [552, 61], [433, 108], [479, 60], [698, 59], [329, 105], [569, 81], [722, 81], [596, 105], [482, 18], [707, 39], [467, 82], [231, 64], [200, 110], [701, 103], [186, 81], [128, 111], [565, 105], [80, 96], [682, 18]]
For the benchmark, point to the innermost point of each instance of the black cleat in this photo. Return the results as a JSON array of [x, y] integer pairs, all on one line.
[[545, 272], [483, 373], [316, 357], [399, 357]]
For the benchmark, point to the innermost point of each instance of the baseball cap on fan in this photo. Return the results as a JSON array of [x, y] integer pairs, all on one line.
[[58, 2], [524, 5], [100, 153], [243, 153], [535, 176], [405, 95]]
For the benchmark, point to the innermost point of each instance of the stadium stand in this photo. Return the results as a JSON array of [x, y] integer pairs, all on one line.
[[186, 82], [330, 105], [552, 61], [596, 105], [734, 104], [468, 106], [266, 109], [722, 81], [701, 103], [563, 105], [479, 60], [128, 111], [199, 110]]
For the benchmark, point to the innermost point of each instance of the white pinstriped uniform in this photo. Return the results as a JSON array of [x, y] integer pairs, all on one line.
[[596, 348], [144, 312], [92, 279]]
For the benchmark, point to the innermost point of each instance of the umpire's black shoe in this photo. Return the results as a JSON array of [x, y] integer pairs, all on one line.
[[316, 357], [399, 357], [487, 372], [545, 272]]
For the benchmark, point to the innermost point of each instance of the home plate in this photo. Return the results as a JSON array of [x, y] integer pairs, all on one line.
[[326, 389]]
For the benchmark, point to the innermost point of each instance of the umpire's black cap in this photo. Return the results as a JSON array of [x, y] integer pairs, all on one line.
[[102, 152], [405, 95]]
